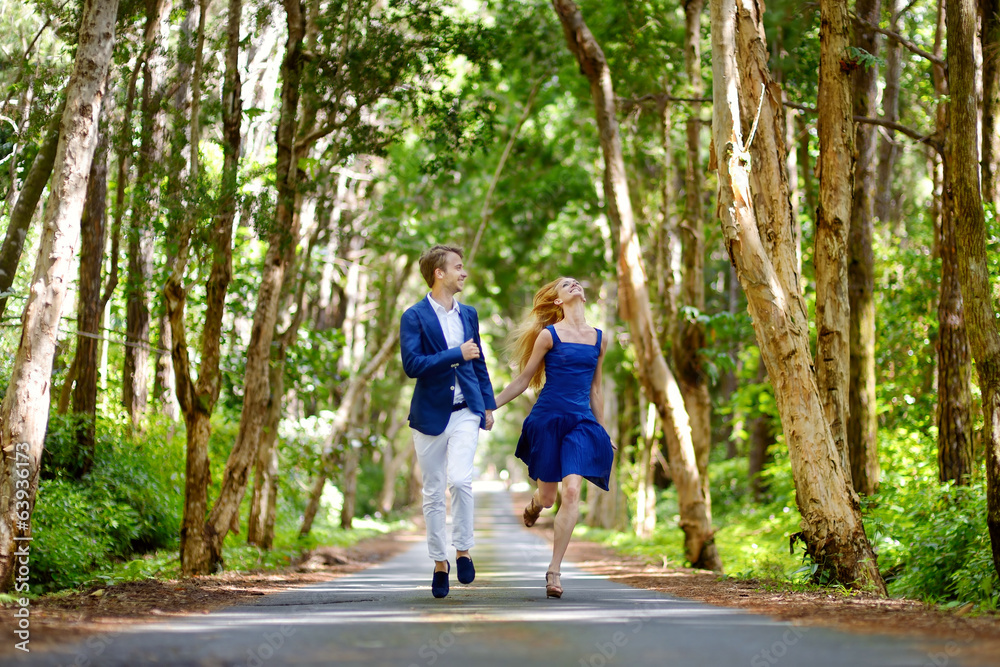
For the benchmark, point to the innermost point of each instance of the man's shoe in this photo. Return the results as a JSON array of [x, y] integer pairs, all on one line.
[[439, 583], [466, 570]]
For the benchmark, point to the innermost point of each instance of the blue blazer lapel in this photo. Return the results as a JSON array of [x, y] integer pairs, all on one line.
[[432, 325]]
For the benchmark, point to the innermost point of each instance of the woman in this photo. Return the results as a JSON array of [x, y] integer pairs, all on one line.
[[564, 438]]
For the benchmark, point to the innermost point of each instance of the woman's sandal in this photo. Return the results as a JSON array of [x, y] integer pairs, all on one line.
[[553, 589], [531, 512]]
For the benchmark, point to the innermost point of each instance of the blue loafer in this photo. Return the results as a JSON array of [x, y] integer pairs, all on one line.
[[439, 583], [466, 570]]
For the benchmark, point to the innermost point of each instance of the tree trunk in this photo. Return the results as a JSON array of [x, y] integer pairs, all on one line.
[[349, 484], [265, 481], [691, 373], [991, 100], [23, 211], [758, 446], [135, 385], [89, 310], [831, 513], [658, 381], [836, 185], [885, 210], [861, 411], [25, 410], [984, 334], [645, 496], [954, 369], [201, 540]]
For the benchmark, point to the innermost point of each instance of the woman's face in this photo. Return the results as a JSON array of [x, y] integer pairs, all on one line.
[[569, 289]]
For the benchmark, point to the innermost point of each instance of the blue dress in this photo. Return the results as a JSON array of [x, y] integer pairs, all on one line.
[[561, 436]]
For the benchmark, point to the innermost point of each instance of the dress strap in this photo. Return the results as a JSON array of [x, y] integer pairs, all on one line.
[[598, 344], [552, 330]]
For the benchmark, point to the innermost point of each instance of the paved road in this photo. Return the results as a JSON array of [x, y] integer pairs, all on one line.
[[385, 615]]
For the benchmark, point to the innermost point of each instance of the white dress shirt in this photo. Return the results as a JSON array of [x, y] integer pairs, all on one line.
[[454, 333]]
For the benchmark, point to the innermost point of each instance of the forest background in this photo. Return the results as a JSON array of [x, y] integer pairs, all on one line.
[[222, 387]]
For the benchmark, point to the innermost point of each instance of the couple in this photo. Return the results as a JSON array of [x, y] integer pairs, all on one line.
[[563, 439]]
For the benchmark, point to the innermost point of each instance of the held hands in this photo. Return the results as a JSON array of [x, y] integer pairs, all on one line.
[[489, 420], [470, 350]]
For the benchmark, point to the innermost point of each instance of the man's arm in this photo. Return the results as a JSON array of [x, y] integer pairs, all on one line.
[[415, 364], [482, 372]]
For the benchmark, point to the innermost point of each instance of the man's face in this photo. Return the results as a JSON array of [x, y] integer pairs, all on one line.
[[452, 275]]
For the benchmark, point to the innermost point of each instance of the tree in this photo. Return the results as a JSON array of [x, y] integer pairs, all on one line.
[[201, 539], [658, 381], [831, 516], [691, 374], [954, 367], [981, 317], [24, 414], [836, 185], [861, 408]]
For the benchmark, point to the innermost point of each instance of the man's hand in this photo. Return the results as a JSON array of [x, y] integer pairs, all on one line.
[[489, 420], [470, 350]]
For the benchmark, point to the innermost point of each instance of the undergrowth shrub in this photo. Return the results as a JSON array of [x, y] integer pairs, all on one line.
[[129, 502]]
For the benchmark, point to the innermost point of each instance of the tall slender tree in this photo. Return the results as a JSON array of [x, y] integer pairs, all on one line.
[[836, 186], [201, 540], [658, 380], [954, 367], [981, 316], [861, 413], [25, 410], [688, 353], [831, 513]]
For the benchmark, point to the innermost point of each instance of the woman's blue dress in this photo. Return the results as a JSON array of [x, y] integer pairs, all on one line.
[[561, 436]]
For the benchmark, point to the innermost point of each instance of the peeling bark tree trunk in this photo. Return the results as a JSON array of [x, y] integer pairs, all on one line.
[[201, 540], [135, 381], [23, 211], [658, 381], [691, 333], [25, 411], [281, 244], [954, 368], [90, 311], [836, 185], [991, 100], [831, 513], [861, 417], [984, 335]]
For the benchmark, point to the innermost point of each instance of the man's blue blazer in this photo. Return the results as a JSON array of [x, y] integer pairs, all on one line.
[[436, 367]]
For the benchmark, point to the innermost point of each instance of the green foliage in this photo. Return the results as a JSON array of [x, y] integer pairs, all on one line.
[[931, 538], [130, 502]]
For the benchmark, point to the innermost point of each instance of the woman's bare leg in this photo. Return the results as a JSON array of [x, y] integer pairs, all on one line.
[[566, 518]]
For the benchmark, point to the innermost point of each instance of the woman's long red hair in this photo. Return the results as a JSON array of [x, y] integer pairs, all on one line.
[[544, 312]]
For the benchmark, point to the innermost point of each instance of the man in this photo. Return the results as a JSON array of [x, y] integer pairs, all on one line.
[[440, 345]]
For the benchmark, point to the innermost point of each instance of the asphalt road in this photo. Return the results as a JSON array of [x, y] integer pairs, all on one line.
[[385, 615]]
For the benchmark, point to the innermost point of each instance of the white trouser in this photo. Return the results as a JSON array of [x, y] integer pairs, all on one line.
[[444, 459]]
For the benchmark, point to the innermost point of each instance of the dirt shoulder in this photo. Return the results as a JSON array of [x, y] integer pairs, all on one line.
[[946, 635], [60, 618]]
